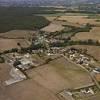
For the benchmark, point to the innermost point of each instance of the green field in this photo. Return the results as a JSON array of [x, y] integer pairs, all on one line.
[[21, 18]]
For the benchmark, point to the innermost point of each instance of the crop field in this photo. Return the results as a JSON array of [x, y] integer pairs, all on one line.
[[27, 90], [17, 34], [4, 68], [50, 18], [53, 28], [93, 34], [6, 44], [10, 39], [60, 74], [81, 20]]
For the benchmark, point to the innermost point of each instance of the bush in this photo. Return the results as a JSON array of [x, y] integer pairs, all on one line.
[[48, 60], [2, 60]]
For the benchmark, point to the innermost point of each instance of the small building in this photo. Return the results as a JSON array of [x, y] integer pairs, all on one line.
[[66, 95], [16, 76], [96, 70]]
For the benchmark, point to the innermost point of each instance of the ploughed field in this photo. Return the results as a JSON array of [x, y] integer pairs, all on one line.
[[9, 40], [60, 74], [7, 44]]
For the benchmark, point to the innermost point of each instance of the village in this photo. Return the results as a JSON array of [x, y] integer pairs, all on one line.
[[50, 53], [21, 62]]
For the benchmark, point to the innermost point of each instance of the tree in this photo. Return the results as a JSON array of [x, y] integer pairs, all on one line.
[[19, 44], [90, 41], [48, 60], [2, 60]]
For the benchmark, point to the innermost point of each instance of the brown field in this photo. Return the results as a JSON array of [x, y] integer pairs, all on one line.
[[4, 72], [17, 33], [6, 44], [50, 18], [53, 28], [26, 90], [60, 74], [79, 20], [55, 20], [93, 34]]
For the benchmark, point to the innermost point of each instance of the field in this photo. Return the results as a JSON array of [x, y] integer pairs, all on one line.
[[60, 74], [26, 90], [17, 34], [93, 34], [50, 18], [21, 18], [4, 72], [81, 20], [53, 28], [10, 39], [6, 44]]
